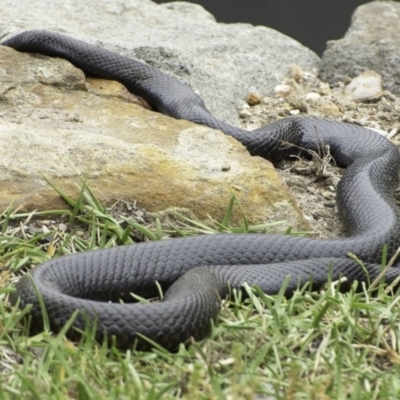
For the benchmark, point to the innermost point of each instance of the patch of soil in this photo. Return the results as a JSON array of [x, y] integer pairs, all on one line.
[[302, 93]]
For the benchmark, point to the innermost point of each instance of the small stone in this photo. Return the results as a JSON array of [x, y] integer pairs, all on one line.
[[294, 112], [45, 229], [253, 98], [324, 88], [244, 113], [312, 97], [334, 181], [365, 87], [138, 213], [282, 90], [298, 103], [326, 194], [225, 167], [240, 103]]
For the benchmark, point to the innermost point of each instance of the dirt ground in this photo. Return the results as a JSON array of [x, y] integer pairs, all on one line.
[[302, 93]]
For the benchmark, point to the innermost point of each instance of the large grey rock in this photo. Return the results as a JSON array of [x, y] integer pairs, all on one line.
[[371, 43], [55, 124], [221, 62]]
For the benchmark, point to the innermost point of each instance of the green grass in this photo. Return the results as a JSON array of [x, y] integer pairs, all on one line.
[[325, 345]]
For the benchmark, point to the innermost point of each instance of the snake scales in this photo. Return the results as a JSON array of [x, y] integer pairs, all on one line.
[[194, 272]]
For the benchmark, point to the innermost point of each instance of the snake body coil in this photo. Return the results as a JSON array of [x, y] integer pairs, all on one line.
[[195, 271]]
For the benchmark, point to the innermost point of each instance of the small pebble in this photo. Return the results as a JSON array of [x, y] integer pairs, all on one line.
[[334, 180], [299, 104], [253, 98], [324, 88], [365, 87], [139, 213], [294, 112], [225, 167], [244, 113], [312, 97], [282, 90]]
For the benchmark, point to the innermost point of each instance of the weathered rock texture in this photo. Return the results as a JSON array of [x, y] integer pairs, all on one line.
[[365, 87], [371, 43], [221, 62], [54, 123]]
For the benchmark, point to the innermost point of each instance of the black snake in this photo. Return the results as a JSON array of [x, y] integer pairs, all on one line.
[[96, 281]]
